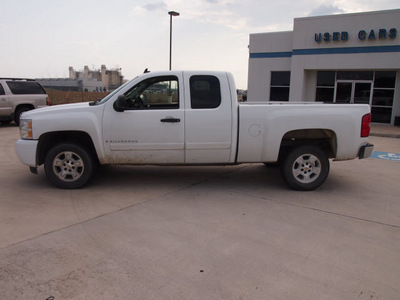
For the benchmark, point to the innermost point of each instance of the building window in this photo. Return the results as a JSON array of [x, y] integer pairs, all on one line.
[[280, 86], [356, 87], [382, 97], [385, 79], [325, 86]]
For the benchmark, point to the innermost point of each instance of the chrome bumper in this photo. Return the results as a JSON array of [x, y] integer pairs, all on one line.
[[366, 151]]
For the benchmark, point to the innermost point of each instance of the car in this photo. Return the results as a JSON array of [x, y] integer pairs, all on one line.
[[18, 95]]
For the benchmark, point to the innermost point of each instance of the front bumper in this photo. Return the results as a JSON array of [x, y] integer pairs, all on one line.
[[366, 151], [26, 151]]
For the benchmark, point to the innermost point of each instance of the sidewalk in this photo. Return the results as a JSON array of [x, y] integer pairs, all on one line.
[[385, 130]]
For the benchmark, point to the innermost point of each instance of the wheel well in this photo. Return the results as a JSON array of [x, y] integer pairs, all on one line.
[[19, 106], [323, 138], [49, 140]]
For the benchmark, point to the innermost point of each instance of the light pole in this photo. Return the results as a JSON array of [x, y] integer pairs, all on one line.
[[171, 14]]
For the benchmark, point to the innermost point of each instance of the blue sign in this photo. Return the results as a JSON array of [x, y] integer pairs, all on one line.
[[386, 155]]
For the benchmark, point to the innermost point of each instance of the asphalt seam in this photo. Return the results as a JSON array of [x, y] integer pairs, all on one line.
[[323, 211], [303, 206]]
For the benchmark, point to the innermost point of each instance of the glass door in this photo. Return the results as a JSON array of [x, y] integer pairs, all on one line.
[[362, 92], [353, 91], [344, 92]]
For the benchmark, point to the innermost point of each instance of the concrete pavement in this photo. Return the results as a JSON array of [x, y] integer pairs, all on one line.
[[384, 130], [201, 233]]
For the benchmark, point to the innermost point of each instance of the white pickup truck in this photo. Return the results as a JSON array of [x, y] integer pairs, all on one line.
[[191, 118]]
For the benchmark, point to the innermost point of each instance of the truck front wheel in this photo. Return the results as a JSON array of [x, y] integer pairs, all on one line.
[[68, 166], [305, 168]]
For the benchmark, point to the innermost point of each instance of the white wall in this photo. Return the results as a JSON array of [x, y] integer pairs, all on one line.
[[259, 78]]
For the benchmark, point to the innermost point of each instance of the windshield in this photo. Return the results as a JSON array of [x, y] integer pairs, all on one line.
[[106, 98]]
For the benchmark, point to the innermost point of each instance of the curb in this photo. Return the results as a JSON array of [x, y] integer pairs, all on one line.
[[395, 136]]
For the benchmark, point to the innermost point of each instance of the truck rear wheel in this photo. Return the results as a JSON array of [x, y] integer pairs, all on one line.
[[69, 166], [305, 168]]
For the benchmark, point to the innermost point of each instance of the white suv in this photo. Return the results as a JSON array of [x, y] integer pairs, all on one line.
[[19, 95]]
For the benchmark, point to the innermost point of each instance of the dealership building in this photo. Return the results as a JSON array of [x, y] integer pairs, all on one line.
[[347, 58]]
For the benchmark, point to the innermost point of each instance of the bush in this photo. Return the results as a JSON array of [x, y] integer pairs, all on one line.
[[62, 97]]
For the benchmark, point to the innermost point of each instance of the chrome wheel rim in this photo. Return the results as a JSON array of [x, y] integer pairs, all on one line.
[[68, 166], [306, 168]]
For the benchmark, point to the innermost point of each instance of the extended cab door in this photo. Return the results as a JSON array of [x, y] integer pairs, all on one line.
[[151, 129], [208, 118]]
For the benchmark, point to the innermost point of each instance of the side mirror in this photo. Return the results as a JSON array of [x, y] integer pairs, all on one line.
[[121, 104]]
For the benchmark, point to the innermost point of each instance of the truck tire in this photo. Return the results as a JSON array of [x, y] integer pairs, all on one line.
[[305, 168], [69, 166], [19, 112]]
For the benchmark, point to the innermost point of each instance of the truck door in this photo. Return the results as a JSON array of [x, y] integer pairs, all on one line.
[[208, 118], [5, 107], [151, 129]]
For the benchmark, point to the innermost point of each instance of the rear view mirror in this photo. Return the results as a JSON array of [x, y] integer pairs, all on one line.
[[121, 104]]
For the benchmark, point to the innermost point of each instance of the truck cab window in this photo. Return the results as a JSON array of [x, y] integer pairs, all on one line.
[[205, 92], [154, 93]]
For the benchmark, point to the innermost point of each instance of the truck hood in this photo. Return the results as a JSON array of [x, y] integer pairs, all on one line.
[[56, 109]]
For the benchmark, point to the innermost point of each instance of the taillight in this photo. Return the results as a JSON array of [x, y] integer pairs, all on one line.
[[365, 122], [47, 101]]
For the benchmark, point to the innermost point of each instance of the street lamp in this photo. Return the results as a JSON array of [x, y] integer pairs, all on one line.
[[171, 14]]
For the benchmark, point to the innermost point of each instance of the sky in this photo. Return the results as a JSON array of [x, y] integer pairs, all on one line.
[[43, 38]]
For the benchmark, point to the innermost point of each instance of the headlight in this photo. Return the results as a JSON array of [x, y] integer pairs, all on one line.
[[25, 129]]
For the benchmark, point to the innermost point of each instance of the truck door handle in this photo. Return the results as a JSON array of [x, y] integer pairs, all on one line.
[[170, 120]]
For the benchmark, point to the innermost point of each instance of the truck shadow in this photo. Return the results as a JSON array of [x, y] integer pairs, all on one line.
[[4, 125], [246, 175]]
